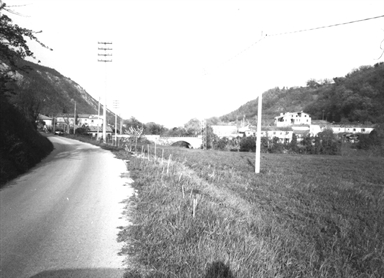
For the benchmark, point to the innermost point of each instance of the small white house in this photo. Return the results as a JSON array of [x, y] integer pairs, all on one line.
[[89, 120], [46, 120]]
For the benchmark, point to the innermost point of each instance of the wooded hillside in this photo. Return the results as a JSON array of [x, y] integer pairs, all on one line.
[[357, 97]]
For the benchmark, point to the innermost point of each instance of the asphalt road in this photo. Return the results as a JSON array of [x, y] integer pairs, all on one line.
[[61, 219]]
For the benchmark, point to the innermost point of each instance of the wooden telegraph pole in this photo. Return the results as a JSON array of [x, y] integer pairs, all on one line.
[[98, 120], [105, 54], [116, 107]]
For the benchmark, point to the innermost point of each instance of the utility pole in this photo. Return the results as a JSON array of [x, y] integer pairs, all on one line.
[[74, 120], [258, 135], [98, 120], [121, 124], [105, 60], [115, 107]]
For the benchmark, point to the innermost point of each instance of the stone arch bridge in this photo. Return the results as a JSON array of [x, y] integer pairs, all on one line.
[[191, 142]]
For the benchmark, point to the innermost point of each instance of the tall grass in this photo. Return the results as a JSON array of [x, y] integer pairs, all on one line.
[[303, 216]]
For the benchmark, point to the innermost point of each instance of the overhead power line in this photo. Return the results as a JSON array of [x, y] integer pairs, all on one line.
[[326, 26], [300, 31]]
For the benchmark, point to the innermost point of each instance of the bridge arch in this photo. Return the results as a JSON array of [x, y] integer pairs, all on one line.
[[182, 143]]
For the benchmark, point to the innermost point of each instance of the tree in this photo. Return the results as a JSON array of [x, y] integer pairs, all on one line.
[[13, 48], [193, 127], [293, 144], [134, 135], [28, 105], [312, 83], [327, 143], [176, 132], [133, 122], [154, 129], [208, 137], [248, 144]]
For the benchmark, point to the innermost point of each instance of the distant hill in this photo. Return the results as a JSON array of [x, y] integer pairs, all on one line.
[[357, 97], [54, 93]]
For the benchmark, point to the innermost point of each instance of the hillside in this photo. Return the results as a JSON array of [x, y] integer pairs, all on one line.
[[54, 91], [357, 97], [51, 92]]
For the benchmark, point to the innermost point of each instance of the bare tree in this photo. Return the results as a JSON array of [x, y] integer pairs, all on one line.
[[134, 134]]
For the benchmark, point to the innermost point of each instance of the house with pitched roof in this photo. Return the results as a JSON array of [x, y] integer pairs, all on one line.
[[292, 118]]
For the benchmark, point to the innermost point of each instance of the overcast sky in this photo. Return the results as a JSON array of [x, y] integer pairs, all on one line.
[[177, 60]]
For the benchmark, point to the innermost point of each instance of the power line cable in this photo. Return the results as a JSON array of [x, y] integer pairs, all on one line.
[[326, 26], [299, 31]]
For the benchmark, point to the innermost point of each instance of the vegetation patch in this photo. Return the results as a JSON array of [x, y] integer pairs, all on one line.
[[21, 146], [206, 214]]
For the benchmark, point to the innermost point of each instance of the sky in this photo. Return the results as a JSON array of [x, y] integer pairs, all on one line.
[[177, 60]]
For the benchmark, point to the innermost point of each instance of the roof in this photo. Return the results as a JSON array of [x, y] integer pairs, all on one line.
[[276, 128], [301, 131], [43, 117], [84, 115], [320, 122], [70, 115], [353, 126]]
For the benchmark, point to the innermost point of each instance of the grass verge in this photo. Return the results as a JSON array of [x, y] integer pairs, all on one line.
[[206, 214]]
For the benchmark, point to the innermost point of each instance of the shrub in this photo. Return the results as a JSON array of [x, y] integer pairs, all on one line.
[[248, 144], [21, 146], [81, 131]]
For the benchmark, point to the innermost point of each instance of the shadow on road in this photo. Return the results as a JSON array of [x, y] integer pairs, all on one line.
[[81, 272]]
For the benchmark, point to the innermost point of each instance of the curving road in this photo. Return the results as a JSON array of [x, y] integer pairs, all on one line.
[[61, 219]]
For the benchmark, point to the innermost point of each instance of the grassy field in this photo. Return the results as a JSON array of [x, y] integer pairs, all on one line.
[[206, 214]]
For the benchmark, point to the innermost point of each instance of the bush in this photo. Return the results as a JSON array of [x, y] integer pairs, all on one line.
[[248, 144], [81, 131], [276, 146], [21, 146], [326, 143], [222, 144]]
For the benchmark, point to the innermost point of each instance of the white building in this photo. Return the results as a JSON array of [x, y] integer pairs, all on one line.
[[292, 118], [351, 129], [89, 120], [82, 119], [225, 131], [284, 136]]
